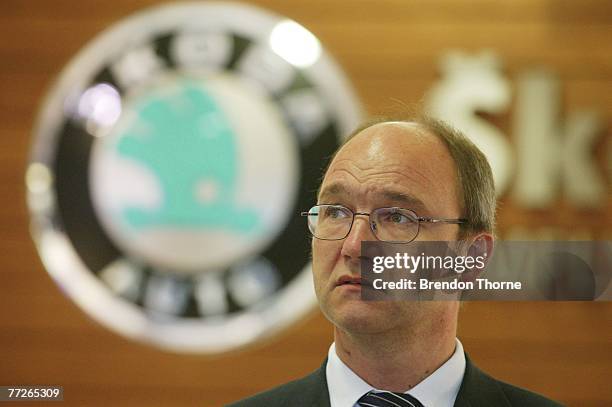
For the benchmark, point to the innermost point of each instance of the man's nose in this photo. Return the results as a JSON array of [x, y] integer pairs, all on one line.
[[360, 231]]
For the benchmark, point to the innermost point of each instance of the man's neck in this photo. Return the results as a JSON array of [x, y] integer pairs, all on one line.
[[394, 362]]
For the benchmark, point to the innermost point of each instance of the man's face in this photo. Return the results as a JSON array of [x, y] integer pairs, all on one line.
[[386, 165]]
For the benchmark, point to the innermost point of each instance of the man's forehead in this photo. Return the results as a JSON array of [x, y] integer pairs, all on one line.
[[403, 159], [338, 189], [400, 144]]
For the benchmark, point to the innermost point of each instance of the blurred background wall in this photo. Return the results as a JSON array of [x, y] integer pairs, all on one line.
[[391, 52]]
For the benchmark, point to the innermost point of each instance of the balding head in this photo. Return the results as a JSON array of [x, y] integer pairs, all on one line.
[[473, 180]]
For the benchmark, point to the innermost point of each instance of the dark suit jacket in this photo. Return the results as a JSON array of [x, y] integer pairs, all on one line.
[[478, 389]]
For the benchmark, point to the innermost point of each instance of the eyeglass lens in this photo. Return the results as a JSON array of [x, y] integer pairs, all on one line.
[[333, 222]]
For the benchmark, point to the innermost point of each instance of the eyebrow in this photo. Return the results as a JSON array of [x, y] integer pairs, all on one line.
[[333, 190], [405, 200]]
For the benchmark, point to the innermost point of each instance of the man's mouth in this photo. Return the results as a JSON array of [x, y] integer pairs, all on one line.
[[349, 280]]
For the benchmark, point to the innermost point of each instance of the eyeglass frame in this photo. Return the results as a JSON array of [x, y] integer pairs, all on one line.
[[418, 218]]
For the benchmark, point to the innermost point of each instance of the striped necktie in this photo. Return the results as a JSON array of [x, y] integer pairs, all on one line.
[[387, 399]]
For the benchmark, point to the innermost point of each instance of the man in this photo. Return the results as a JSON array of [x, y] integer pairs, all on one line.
[[397, 353]]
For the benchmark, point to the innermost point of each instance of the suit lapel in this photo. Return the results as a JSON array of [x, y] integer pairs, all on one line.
[[479, 389], [322, 393], [312, 390]]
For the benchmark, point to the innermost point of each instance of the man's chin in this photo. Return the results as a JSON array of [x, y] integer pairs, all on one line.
[[358, 316]]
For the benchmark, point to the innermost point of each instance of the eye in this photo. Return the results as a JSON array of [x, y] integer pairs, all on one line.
[[398, 217], [335, 212]]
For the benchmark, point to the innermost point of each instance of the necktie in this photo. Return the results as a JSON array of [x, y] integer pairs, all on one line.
[[388, 399]]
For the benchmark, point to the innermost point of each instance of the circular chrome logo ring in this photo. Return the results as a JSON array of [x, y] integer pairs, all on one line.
[[197, 306]]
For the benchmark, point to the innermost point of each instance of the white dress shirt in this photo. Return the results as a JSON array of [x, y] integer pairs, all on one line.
[[439, 389]]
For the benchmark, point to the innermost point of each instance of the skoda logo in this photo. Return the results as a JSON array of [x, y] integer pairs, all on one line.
[[169, 163]]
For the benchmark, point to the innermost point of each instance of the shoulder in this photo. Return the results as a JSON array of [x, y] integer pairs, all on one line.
[[479, 389], [308, 391], [522, 397]]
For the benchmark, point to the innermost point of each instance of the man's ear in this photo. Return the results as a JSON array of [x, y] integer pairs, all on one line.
[[480, 249]]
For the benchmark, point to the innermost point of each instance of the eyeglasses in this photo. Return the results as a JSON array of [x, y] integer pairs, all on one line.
[[394, 225]]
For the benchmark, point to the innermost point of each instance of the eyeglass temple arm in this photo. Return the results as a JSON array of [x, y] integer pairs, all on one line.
[[432, 220]]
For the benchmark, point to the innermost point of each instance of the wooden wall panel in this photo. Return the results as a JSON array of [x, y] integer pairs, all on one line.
[[390, 51]]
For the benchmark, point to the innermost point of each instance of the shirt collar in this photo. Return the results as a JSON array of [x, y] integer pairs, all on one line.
[[439, 389]]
